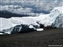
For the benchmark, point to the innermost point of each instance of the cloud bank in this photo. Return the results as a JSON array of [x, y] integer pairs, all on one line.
[[30, 7]]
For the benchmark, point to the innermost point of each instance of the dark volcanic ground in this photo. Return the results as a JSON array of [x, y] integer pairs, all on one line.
[[33, 39]]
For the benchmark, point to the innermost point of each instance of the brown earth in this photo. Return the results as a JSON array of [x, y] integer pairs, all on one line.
[[33, 39]]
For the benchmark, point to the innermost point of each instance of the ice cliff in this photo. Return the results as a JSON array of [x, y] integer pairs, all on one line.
[[18, 24]]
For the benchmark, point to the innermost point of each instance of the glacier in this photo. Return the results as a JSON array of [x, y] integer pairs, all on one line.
[[18, 24]]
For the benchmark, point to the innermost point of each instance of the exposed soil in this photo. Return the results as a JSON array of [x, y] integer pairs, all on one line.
[[33, 39]]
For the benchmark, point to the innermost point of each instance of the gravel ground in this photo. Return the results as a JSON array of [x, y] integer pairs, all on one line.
[[46, 38]]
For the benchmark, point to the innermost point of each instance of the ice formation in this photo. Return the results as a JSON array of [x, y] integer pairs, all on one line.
[[18, 24]]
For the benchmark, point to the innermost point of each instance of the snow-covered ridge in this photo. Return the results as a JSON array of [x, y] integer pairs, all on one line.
[[18, 24], [59, 9]]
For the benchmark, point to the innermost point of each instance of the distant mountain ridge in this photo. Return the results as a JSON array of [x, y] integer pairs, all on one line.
[[6, 14]]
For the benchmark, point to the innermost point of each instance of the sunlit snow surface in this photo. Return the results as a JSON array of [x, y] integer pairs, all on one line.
[[17, 24]]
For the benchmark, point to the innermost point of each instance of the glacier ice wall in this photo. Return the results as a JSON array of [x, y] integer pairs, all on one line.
[[59, 21], [18, 24]]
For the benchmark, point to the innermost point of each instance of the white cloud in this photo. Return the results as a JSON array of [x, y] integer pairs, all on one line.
[[27, 6], [17, 9]]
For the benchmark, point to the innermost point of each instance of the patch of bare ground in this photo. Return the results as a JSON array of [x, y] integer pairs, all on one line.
[[33, 39]]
